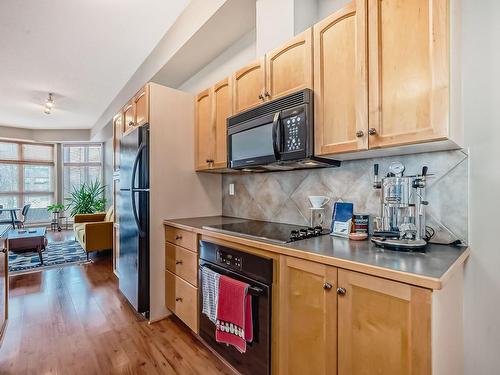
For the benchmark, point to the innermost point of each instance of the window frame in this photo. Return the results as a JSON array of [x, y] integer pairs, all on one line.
[[65, 164], [20, 193]]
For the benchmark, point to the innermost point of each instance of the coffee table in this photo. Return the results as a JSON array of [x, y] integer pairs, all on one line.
[[22, 240]]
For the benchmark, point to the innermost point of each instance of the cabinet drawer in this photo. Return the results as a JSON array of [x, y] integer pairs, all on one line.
[[182, 299], [182, 262], [181, 238]]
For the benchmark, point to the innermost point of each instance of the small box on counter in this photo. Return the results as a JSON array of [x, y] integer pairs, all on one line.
[[360, 223], [342, 219]]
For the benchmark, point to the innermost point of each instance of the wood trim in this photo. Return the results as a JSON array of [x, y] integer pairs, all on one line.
[[258, 248], [207, 93], [356, 9], [305, 38], [417, 335], [438, 128], [259, 63], [221, 147]]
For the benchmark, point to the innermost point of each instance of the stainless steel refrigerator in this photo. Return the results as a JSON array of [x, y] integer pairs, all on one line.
[[133, 265]]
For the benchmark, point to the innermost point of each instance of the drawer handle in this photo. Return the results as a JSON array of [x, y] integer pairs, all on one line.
[[178, 262], [341, 291], [178, 299], [178, 237]]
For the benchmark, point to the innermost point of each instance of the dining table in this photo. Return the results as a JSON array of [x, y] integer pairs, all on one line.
[[13, 214]]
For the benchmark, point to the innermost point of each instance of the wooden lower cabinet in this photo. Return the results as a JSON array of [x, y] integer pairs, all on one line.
[[337, 321], [384, 327], [182, 299], [308, 318]]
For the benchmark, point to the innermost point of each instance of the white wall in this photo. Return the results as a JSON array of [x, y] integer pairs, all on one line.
[[236, 56], [44, 135], [107, 149], [481, 90]]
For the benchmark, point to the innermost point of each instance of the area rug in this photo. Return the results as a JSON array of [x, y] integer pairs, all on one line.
[[55, 254]]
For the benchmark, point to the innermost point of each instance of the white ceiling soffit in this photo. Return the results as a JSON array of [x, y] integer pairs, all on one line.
[[225, 21], [233, 20], [84, 51]]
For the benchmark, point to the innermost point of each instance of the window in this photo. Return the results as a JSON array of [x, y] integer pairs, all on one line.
[[82, 163], [27, 177]]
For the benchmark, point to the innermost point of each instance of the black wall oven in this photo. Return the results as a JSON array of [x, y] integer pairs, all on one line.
[[258, 273], [276, 135]]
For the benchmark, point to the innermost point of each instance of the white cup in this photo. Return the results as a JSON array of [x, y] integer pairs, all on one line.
[[318, 201]]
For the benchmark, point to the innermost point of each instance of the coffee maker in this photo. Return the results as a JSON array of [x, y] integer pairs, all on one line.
[[401, 225]]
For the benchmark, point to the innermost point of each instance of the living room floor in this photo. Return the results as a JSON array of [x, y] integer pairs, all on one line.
[[73, 320]]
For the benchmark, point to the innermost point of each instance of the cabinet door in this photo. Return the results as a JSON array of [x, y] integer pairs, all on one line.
[[290, 67], [141, 104], [383, 326], [222, 109], [117, 135], [129, 116], [408, 70], [340, 81], [204, 131], [248, 86], [308, 318]]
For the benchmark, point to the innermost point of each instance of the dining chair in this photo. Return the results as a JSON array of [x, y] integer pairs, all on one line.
[[24, 214]]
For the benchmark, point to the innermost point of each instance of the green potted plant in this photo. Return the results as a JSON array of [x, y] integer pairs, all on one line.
[[55, 208], [87, 198]]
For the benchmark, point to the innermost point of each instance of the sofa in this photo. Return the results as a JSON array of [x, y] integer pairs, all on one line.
[[94, 232]]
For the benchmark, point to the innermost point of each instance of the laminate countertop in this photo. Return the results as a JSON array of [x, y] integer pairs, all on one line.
[[430, 269]]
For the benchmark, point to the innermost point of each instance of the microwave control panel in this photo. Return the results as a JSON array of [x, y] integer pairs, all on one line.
[[228, 259], [294, 128]]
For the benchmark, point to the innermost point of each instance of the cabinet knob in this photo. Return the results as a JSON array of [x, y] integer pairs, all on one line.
[[178, 299], [178, 237], [267, 94], [372, 131], [178, 262], [327, 286], [341, 291], [261, 97], [131, 123], [360, 133]]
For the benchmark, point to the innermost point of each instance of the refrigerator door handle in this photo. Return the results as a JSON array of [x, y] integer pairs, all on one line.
[[132, 192]]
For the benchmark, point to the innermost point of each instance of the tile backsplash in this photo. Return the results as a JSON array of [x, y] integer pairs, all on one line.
[[282, 196]]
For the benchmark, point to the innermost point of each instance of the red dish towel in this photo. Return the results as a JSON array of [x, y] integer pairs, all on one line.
[[234, 314]]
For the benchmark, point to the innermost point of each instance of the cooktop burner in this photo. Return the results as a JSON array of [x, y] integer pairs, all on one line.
[[276, 232]]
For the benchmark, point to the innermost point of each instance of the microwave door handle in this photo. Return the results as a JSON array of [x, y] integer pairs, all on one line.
[[276, 136]]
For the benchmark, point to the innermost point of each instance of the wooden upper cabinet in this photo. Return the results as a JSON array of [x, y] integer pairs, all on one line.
[[290, 67], [204, 130], [383, 326], [340, 81], [307, 318], [408, 70], [128, 116], [141, 103], [222, 109], [248, 86], [117, 135]]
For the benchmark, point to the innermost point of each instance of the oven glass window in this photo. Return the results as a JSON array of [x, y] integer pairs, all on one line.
[[252, 143]]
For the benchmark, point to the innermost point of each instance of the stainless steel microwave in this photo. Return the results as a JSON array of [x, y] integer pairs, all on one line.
[[277, 135]]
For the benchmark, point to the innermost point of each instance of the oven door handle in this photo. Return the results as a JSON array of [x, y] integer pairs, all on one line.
[[276, 136], [252, 290]]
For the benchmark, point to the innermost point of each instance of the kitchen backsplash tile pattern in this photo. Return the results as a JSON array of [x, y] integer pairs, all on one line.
[[282, 196]]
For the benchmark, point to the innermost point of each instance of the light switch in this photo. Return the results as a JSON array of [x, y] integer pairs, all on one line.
[[231, 189]]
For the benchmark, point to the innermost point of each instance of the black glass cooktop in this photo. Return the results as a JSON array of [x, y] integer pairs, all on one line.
[[275, 232]]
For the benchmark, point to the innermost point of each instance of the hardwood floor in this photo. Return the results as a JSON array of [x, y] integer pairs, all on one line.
[[73, 320]]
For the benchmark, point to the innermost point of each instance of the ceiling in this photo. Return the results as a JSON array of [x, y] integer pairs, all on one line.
[[83, 51]]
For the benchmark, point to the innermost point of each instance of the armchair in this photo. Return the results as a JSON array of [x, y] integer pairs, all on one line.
[[94, 232]]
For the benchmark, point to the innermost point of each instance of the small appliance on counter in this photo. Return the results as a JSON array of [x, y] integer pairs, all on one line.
[[401, 225], [317, 210]]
